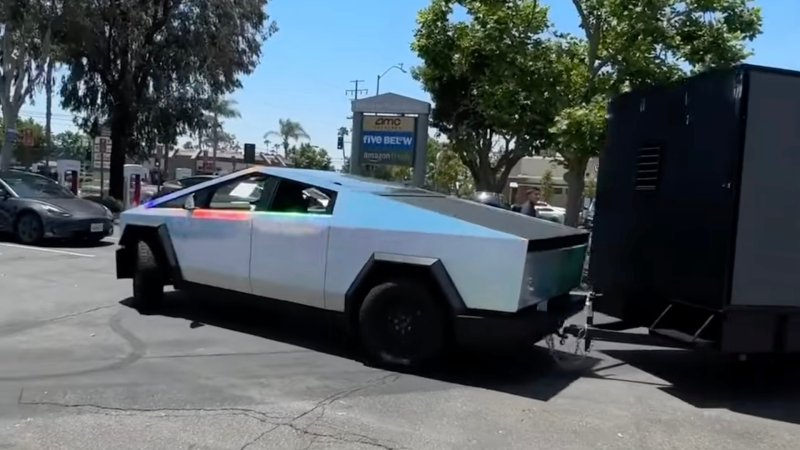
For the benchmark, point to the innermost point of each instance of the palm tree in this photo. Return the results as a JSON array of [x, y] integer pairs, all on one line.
[[219, 108], [288, 130]]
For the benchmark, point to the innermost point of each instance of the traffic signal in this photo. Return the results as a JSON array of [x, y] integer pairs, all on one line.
[[250, 153], [340, 142]]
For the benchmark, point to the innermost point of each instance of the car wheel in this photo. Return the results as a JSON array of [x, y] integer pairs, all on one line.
[[401, 324], [148, 281], [29, 228]]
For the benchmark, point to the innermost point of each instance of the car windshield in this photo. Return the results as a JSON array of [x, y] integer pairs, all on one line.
[[35, 186]]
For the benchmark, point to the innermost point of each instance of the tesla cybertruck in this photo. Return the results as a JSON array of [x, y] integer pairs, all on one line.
[[411, 271]]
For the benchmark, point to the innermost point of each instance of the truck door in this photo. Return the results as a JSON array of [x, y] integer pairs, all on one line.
[[290, 244]]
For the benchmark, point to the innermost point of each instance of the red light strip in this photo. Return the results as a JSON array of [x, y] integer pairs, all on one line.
[[221, 214]]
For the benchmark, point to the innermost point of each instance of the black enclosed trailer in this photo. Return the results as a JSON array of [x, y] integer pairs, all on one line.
[[697, 223]]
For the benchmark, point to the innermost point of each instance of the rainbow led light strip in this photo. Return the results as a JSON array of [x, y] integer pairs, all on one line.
[[234, 214], [221, 214]]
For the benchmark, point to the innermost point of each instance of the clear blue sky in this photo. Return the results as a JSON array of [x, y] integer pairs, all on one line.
[[322, 45]]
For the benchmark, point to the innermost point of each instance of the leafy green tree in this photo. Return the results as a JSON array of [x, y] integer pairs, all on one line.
[[288, 131], [590, 190], [624, 47], [225, 141], [71, 145], [308, 156], [26, 36], [495, 81], [548, 186], [151, 67], [446, 173], [27, 155], [397, 174]]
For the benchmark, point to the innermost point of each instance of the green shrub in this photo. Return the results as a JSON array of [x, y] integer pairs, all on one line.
[[109, 202]]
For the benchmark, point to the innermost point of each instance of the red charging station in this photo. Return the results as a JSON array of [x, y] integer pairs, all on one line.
[[68, 174], [71, 179], [135, 189], [134, 175]]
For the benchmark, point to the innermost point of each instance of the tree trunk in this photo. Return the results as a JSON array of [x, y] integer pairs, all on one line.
[[575, 184], [48, 88], [10, 115], [165, 156], [216, 144], [120, 140], [485, 179]]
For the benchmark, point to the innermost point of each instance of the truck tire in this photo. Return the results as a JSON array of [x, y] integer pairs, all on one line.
[[402, 324], [148, 280]]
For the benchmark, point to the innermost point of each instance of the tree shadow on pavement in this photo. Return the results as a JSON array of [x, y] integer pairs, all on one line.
[[766, 388], [530, 372]]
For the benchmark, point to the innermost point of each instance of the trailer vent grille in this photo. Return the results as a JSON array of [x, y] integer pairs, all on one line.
[[648, 166]]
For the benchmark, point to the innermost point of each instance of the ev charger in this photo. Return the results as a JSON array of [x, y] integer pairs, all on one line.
[[133, 174], [69, 174]]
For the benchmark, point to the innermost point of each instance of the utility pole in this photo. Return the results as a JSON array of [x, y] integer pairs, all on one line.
[[355, 92]]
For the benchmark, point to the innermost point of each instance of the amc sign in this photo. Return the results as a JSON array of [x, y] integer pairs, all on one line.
[[388, 140]]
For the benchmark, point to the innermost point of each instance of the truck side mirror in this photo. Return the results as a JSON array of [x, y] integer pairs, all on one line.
[[188, 204]]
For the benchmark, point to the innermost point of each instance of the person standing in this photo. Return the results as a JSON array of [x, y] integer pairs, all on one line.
[[529, 207]]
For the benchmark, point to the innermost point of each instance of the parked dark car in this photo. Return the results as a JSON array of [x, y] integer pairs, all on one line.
[[175, 185], [34, 207]]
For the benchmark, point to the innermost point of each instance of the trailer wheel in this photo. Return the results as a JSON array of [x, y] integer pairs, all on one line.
[[148, 280], [402, 324]]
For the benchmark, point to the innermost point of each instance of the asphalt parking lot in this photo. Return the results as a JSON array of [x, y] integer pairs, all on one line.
[[79, 369]]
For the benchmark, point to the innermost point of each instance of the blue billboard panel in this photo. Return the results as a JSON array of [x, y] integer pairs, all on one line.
[[388, 140]]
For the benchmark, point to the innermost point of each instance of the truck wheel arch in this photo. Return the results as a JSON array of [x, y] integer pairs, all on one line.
[[384, 267], [159, 240]]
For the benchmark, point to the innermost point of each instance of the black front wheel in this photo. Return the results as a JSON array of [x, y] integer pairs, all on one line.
[[148, 279], [29, 229], [401, 323]]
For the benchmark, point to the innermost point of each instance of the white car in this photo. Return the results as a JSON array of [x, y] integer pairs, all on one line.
[[410, 270], [551, 213]]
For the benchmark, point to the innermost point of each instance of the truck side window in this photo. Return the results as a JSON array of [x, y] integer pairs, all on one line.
[[241, 193], [295, 197]]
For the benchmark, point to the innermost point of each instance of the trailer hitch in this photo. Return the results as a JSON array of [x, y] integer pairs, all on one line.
[[581, 332]]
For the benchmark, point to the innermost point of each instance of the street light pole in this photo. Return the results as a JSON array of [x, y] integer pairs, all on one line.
[[378, 83]]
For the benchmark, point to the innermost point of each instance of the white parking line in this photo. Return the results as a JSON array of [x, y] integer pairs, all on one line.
[[49, 250]]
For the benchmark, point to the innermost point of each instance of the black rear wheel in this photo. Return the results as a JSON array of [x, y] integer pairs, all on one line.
[[401, 323], [29, 229], [148, 278]]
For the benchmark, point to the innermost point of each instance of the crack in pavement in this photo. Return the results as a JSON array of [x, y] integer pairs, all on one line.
[[321, 406], [138, 349], [275, 421], [254, 414], [18, 328]]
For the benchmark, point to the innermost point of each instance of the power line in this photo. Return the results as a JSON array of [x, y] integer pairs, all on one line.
[[355, 92]]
